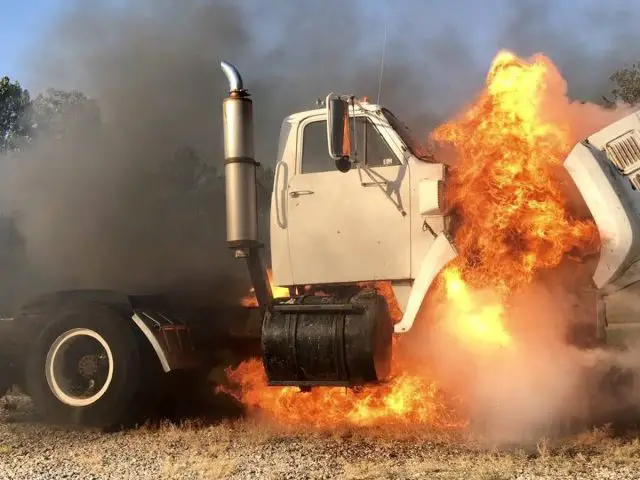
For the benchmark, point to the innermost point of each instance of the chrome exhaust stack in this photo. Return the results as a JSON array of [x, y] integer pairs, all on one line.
[[240, 165], [232, 74], [241, 184]]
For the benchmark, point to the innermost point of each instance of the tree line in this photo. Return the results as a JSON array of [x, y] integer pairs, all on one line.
[[174, 200], [23, 120]]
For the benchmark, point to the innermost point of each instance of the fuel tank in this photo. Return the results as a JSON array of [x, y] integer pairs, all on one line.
[[325, 340]]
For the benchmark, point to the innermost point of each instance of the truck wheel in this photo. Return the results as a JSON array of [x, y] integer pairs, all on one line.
[[87, 367]]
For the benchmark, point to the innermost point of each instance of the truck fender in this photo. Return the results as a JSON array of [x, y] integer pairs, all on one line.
[[169, 337], [439, 255]]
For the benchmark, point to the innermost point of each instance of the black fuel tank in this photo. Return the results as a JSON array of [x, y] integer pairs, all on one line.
[[321, 340]]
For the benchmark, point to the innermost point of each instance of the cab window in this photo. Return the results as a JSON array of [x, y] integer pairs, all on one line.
[[315, 149], [372, 149]]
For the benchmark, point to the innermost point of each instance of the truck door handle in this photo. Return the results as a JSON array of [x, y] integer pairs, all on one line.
[[297, 193], [382, 183]]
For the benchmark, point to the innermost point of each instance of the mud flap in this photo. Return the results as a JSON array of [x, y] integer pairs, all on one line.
[[170, 339]]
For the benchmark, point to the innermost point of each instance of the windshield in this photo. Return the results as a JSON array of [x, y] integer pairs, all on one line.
[[414, 146]]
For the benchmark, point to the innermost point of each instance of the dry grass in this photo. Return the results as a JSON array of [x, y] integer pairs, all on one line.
[[230, 449], [251, 449]]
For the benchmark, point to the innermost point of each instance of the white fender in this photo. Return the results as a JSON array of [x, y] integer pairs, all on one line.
[[438, 256]]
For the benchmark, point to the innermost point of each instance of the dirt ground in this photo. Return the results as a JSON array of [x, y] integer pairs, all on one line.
[[244, 449]]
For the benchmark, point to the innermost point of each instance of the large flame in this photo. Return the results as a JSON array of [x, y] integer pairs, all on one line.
[[405, 400], [512, 222], [505, 190], [504, 185]]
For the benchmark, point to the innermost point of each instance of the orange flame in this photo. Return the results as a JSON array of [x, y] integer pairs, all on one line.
[[512, 222], [278, 292], [474, 322], [504, 185], [405, 400]]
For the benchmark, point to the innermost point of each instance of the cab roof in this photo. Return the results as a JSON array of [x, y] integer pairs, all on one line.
[[361, 106]]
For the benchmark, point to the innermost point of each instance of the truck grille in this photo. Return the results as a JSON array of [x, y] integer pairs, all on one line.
[[624, 152]]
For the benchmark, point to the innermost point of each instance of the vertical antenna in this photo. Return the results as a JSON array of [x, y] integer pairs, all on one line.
[[384, 50]]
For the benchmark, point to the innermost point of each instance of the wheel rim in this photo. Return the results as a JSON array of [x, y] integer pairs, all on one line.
[[79, 367]]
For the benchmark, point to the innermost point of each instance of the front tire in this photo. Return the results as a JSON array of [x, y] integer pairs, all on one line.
[[87, 367]]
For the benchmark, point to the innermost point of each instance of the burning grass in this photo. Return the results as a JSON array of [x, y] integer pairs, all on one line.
[[404, 401]]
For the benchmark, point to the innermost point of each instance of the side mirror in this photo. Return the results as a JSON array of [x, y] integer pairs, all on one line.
[[338, 135]]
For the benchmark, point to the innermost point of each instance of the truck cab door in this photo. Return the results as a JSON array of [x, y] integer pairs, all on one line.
[[353, 226]]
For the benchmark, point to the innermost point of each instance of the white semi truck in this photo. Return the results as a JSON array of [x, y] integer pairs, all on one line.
[[353, 201]]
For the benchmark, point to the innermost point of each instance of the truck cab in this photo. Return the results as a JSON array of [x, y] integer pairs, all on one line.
[[376, 221]]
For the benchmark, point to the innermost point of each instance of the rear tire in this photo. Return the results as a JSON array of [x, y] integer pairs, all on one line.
[[88, 367]]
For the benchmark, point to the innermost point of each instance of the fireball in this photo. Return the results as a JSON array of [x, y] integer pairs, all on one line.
[[504, 185]]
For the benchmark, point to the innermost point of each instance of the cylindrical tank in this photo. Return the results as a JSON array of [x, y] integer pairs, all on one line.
[[318, 345], [240, 165]]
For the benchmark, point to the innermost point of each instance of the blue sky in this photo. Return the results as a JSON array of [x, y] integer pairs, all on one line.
[[15, 28]]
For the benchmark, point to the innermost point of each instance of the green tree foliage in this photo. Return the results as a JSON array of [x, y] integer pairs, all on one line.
[[57, 111], [14, 102], [627, 84]]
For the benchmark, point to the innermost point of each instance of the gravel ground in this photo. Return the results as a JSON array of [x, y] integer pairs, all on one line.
[[244, 449]]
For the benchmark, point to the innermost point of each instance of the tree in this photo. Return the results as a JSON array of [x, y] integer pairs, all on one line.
[[58, 111], [14, 126], [188, 167], [627, 84]]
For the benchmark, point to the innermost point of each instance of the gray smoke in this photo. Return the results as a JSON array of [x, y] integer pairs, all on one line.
[[136, 203]]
